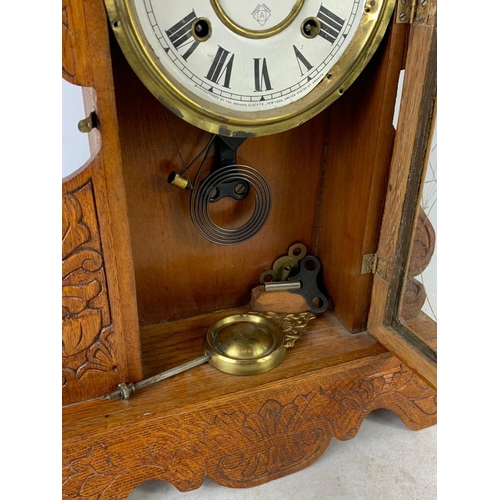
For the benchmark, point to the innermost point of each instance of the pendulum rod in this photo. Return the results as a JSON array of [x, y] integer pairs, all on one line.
[[125, 391]]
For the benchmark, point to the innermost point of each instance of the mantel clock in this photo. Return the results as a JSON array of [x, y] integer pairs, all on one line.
[[284, 110]]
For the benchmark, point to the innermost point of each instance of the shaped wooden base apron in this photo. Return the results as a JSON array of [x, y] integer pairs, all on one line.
[[237, 442]]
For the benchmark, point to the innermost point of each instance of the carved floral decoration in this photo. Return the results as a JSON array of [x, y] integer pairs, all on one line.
[[75, 52], [69, 63], [273, 440], [88, 476], [250, 446], [86, 319]]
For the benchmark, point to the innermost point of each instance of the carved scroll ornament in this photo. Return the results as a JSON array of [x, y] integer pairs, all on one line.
[[424, 243], [270, 436], [86, 319]]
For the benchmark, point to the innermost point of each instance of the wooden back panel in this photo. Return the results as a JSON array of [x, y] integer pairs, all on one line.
[[328, 179], [178, 272], [360, 144]]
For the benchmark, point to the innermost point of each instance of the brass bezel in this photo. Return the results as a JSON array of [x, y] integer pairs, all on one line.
[[219, 120]]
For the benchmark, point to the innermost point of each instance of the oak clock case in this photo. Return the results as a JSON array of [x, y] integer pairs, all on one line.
[[141, 287]]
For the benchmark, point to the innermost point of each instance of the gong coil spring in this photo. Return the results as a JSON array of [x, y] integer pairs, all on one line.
[[200, 202]]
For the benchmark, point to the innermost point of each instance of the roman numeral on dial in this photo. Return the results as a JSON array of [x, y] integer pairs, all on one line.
[[302, 61], [181, 36], [331, 24], [221, 65], [262, 81]]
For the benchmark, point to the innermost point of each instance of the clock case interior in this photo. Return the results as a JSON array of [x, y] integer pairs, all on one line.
[[162, 284]]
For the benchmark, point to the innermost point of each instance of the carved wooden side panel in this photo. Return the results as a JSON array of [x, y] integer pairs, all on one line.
[[100, 329], [76, 67], [275, 432], [87, 326], [424, 242]]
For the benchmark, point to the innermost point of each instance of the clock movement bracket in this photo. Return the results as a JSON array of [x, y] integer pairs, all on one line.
[[228, 179], [226, 156]]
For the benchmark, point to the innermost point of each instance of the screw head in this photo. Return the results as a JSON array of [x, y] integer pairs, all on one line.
[[240, 188]]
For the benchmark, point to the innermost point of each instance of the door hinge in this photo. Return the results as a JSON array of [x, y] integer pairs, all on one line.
[[371, 263], [412, 11]]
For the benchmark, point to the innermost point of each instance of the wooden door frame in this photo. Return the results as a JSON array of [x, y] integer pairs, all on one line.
[[409, 161]]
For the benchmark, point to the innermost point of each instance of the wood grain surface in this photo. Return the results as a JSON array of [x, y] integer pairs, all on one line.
[[358, 156], [152, 286], [238, 441], [179, 273], [100, 330], [409, 161], [328, 189]]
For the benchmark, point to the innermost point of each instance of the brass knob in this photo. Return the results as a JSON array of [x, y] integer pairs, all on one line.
[[87, 124]]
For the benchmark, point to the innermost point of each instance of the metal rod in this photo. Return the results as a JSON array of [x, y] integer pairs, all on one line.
[[125, 391], [282, 285]]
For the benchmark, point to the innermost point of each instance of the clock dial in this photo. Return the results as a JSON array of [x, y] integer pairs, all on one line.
[[237, 68]]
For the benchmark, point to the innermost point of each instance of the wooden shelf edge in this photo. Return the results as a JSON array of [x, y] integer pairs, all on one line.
[[325, 344], [243, 439]]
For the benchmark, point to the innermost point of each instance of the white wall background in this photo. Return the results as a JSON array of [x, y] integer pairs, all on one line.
[[429, 204], [75, 145]]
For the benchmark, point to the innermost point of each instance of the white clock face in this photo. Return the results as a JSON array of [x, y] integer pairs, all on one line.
[[249, 56]]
